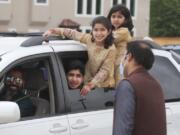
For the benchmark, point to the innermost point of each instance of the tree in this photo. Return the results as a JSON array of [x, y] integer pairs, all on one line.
[[165, 18]]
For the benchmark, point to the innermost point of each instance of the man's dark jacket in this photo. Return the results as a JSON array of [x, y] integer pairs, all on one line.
[[150, 117]]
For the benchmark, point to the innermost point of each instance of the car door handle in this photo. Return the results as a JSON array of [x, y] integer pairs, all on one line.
[[58, 129], [79, 124], [169, 123], [168, 111]]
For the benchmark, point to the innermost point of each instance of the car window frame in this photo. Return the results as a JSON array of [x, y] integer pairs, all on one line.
[[76, 92], [55, 108], [175, 68]]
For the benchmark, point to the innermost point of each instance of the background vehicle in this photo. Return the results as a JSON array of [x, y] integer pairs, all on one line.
[[60, 110], [174, 47]]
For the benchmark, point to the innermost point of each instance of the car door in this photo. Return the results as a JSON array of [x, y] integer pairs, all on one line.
[[91, 114], [52, 123], [87, 115], [37, 126], [93, 122], [165, 71]]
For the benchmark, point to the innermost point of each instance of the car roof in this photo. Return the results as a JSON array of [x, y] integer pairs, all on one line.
[[18, 45], [10, 43]]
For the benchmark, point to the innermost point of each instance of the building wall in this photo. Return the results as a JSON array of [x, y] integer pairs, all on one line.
[[28, 16], [142, 18]]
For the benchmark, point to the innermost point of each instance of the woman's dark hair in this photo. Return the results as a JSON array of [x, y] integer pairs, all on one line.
[[106, 23], [125, 12], [142, 53]]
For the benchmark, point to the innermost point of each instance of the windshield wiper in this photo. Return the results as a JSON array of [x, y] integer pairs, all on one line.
[[176, 56]]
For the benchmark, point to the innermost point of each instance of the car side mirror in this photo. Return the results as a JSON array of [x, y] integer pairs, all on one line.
[[9, 112]]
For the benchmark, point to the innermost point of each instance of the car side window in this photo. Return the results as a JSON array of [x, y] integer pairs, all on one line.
[[97, 99], [168, 76], [35, 95]]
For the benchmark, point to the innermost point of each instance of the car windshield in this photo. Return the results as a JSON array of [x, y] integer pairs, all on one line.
[[175, 48], [168, 76], [176, 56]]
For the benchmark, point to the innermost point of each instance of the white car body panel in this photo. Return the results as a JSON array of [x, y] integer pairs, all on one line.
[[43, 126], [85, 123], [22, 52], [172, 109], [173, 118], [68, 45], [91, 123], [10, 43]]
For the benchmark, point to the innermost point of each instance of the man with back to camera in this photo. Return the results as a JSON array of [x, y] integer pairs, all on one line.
[[14, 84], [75, 74], [139, 103]]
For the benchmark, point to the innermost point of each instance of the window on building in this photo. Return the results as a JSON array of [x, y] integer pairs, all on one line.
[[85, 29], [132, 7], [5, 1], [124, 2], [79, 6], [98, 7], [41, 2], [89, 7], [130, 4], [88, 31]]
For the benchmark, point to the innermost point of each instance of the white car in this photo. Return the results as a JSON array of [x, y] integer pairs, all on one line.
[[60, 111]]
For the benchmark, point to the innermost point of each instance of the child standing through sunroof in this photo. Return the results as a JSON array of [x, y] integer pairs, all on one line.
[[122, 26], [101, 52]]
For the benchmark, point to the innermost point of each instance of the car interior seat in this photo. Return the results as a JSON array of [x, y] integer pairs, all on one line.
[[42, 106], [35, 82], [34, 85]]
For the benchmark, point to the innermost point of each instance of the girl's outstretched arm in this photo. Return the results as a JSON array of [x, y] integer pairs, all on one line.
[[69, 33]]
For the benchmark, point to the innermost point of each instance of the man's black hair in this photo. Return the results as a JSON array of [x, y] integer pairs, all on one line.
[[19, 69], [74, 65], [142, 53]]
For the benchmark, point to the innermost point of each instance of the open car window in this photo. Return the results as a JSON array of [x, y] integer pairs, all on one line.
[[97, 99], [36, 89]]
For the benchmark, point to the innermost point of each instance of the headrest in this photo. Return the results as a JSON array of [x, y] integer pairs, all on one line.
[[35, 79]]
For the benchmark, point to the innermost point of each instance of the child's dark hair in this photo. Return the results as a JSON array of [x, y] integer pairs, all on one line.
[[106, 23], [125, 12], [76, 65]]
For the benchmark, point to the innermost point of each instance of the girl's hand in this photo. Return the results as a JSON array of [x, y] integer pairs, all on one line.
[[49, 32], [86, 89]]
